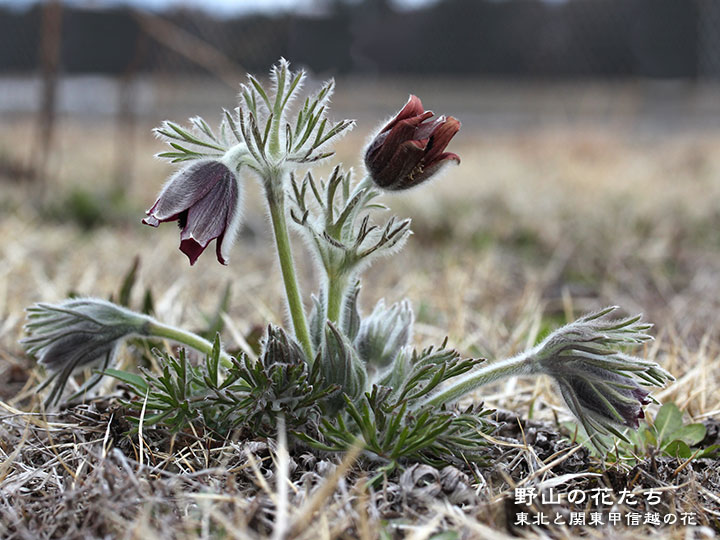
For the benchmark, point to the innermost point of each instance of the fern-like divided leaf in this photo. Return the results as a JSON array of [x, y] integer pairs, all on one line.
[[247, 396], [334, 215], [393, 431], [281, 383], [196, 142]]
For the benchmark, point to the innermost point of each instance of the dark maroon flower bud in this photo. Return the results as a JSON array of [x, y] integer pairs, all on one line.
[[411, 148], [204, 198], [604, 395]]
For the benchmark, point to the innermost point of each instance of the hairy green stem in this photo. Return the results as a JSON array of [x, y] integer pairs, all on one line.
[[276, 204], [336, 289], [337, 283], [522, 364], [158, 329]]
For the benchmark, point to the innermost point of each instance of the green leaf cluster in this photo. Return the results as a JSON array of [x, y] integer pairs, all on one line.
[[334, 216], [248, 395], [394, 427], [666, 434], [674, 438]]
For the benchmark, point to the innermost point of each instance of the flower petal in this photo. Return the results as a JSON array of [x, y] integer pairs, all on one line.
[[207, 219], [397, 172], [185, 188], [430, 170], [388, 144], [413, 107], [201, 229], [192, 248], [440, 138], [232, 226]]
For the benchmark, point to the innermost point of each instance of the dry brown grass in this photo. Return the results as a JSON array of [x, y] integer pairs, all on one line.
[[532, 229]]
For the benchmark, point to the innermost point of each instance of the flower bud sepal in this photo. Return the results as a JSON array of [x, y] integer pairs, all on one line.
[[341, 365]]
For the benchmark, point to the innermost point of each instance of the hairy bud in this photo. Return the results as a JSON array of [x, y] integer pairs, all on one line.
[[77, 333], [599, 383], [279, 348], [384, 333], [342, 366]]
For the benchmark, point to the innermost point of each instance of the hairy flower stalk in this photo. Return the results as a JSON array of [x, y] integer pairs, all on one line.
[[275, 151], [173, 333], [276, 205], [83, 332], [340, 269], [599, 383]]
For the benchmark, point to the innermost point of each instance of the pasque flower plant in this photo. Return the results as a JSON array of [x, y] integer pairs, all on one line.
[[333, 373]]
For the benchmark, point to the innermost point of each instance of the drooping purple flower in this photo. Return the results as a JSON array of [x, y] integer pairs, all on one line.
[[599, 383], [204, 197], [606, 396], [411, 147]]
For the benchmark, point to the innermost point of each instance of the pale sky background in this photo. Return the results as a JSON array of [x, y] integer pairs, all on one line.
[[220, 7]]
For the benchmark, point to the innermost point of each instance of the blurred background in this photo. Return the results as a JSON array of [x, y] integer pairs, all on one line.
[[508, 64], [590, 148]]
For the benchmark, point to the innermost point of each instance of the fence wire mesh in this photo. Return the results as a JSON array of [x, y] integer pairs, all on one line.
[[121, 63]]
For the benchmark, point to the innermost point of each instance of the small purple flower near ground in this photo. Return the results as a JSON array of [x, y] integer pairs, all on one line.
[[411, 147], [204, 198], [599, 383], [602, 394]]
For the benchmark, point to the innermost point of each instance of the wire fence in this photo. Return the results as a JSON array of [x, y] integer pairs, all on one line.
[[123, 62], [529, 38]]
